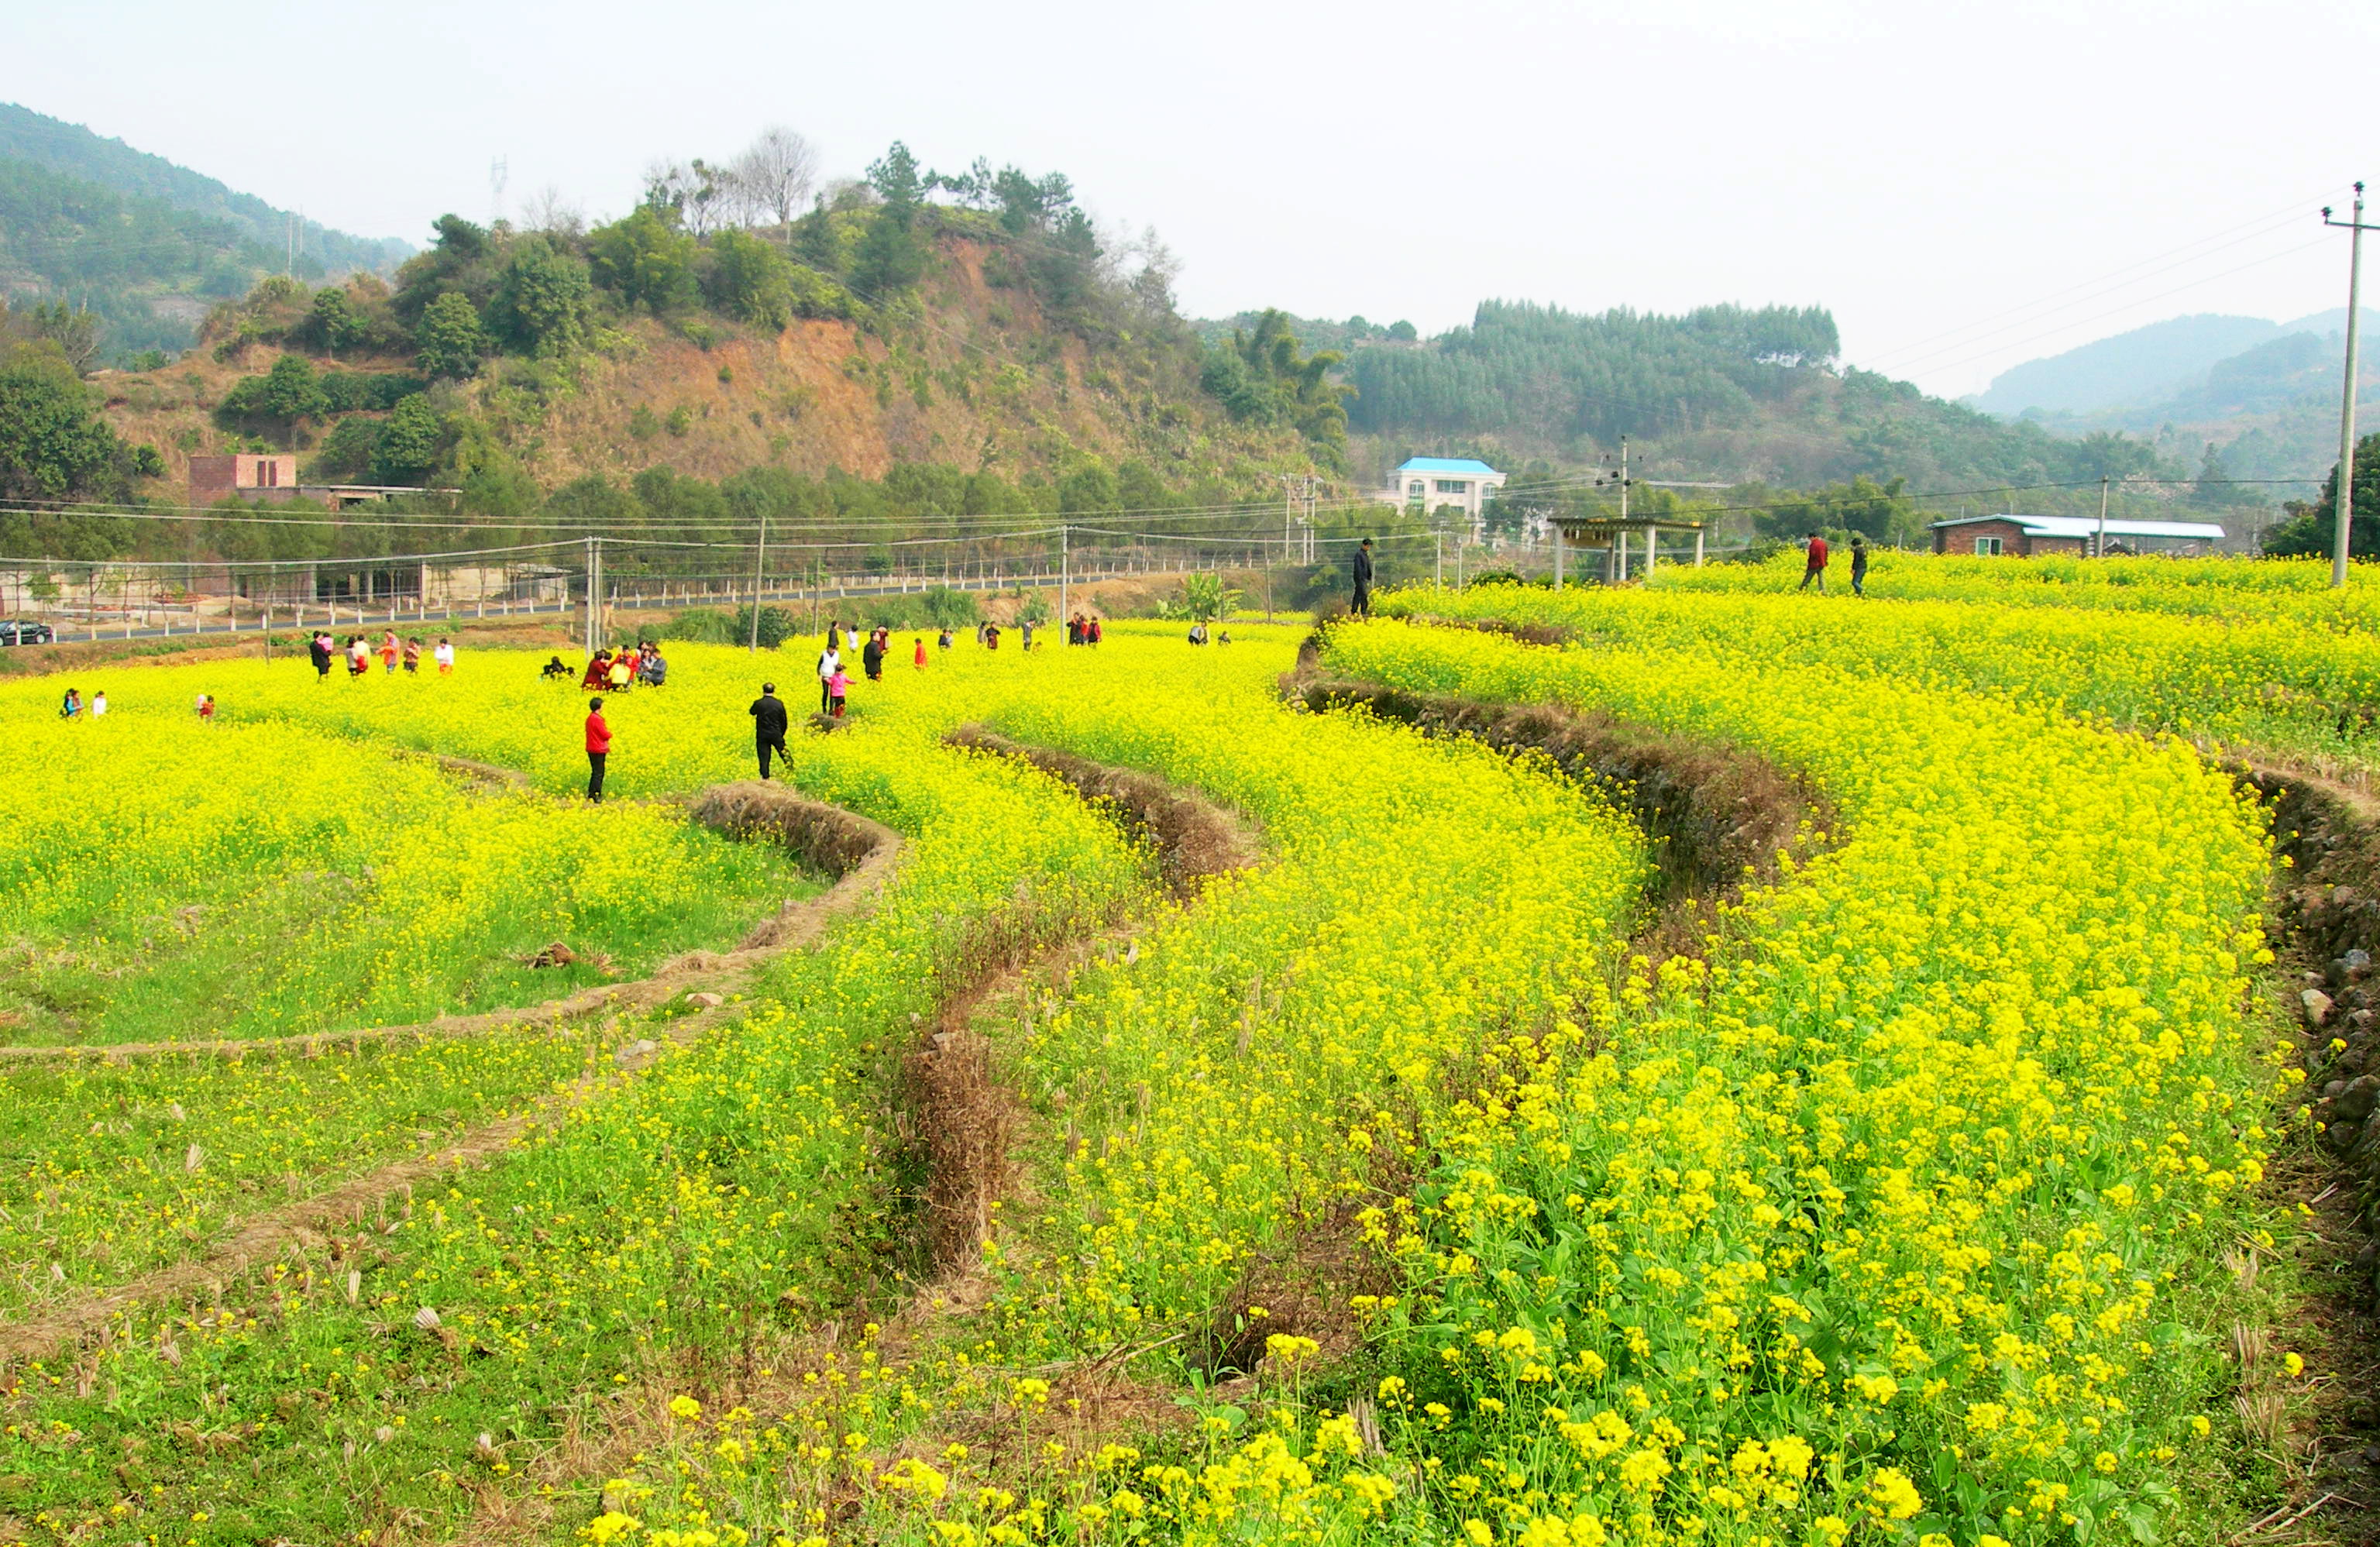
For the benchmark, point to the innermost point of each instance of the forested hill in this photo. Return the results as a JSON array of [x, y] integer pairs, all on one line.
[[141, 245], [914, 349], [76, 152], [1725, 392]]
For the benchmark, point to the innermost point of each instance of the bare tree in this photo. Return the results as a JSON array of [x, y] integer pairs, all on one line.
[[776, 173], [549, 211]]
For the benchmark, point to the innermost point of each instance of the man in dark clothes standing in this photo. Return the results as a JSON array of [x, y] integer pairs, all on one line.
[[1859, 565], [598, 746], [319, 649], [1818, 570], [769, 725], [1362, 606], [871, 656]]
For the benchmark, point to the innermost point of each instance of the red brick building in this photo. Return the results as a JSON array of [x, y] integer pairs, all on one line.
[[267, 477], [2033, 536]]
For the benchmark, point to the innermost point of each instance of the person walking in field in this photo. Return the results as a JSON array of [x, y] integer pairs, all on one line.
[[358, 657], [768, 720], [206, 708], [71, 707], [1362, 604], [1816, 551], [413, 657], [445, 658], [1859, 565], [318, 650], [836, 687], [598, 747], [388, 651], [871, 658], [98, 705], [1094, 632], [920, 662], [830, 661], [944, 641]]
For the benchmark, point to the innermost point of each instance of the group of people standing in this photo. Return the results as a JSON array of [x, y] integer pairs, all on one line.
[[617, 671], [358, 652], [73, 707]]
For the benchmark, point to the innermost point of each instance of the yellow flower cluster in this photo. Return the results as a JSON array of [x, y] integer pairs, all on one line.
[[1928, 1163]]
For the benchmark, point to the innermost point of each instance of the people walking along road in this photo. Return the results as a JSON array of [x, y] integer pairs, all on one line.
[[768, 721]]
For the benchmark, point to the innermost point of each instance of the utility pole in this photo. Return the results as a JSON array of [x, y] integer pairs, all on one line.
[[759, 557], [1066, 574], [594, 581], [2099, 544], [2346, 504]]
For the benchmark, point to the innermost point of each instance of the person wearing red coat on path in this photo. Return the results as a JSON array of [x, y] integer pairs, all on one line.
[[598, 746], [1816, 550]]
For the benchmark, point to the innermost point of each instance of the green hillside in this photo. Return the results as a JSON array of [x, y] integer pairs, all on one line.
[[146, 246], [1727, 394], [70, 149]]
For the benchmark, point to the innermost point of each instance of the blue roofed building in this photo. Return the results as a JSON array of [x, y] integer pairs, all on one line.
[[1432, 481]]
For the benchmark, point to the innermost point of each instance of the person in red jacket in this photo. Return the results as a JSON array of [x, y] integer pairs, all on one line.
[[1818, 570], [598, 746]]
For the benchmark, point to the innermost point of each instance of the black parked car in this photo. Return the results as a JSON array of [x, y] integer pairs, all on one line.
[[24, 631]]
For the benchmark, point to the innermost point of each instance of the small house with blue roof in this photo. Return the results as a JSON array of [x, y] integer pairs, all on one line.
[[1463, 482]]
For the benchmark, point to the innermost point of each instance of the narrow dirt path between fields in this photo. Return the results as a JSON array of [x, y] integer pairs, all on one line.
[[2327, 930], [862, 853], [856, 851], [955, 1110]]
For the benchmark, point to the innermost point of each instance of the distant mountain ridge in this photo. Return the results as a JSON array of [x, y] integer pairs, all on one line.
[[2269, 402], [2146, 366], [2143, 365], [76, 152]]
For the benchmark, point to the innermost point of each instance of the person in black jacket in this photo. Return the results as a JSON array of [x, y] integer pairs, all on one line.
[[1362, 606], [769, 725], [871, 656], [1859, 565]]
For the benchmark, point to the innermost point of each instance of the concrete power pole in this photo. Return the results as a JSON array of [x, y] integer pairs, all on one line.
[[1066, 574], [760, 558], [2346, 505], [2099, 545]]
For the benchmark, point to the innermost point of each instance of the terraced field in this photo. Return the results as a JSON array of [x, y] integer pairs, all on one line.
[[1638, 1067]]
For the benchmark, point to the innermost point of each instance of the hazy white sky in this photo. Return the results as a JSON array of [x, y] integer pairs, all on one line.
[[1967, 186]]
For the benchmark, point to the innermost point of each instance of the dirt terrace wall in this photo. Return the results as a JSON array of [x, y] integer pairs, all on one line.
[[2332, 916], [1712, 812]]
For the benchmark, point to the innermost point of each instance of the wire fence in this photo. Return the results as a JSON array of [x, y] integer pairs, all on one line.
[[124, 599]]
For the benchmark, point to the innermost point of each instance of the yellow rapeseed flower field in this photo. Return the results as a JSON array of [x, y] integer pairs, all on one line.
[[1893, 1217]]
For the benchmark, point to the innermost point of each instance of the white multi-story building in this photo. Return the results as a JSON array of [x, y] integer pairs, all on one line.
[[1431, 481]]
